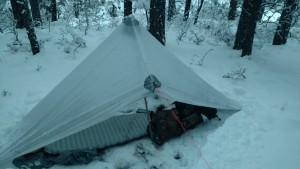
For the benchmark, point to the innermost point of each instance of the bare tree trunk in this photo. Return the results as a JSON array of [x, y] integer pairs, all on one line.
[[25, 15], [247, 25], [76, 8], [171, 9], [53, 10], [17, 12], [35, 10], [198, 11], [251, 26], [187, 10], [232, 9], [240, 34], [87, 5], [113, 11], [157, 20], [285, 22], [127, 7]]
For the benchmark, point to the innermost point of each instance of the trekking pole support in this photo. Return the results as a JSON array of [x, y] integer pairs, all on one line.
[[146, 104]]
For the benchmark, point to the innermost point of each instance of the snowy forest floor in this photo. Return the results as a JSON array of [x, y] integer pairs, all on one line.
[[265, 134]]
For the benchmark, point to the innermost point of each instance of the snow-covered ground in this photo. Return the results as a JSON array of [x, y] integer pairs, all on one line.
[[265, 134]]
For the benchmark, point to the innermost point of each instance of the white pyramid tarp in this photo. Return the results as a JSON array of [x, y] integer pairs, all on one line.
[[110, 78]]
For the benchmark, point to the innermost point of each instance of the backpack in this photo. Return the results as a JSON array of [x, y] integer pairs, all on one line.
[[164, 124]]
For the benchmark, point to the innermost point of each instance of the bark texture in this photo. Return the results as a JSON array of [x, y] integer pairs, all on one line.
[[285, 22], [232, 9], [157, 20], [171, 9], [127, 7], [187, 10]]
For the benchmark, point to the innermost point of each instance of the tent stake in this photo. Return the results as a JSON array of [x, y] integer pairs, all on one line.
[[146, 104]]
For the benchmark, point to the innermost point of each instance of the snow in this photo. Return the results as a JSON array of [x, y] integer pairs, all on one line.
[[263, 135], [141, 4]]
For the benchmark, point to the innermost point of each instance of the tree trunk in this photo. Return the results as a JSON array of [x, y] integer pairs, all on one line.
[[157, 20], [17, 12], [232, 9], [251, 26], [87, 5], [198, 11], [261, 10], [53, 10], [113, 11], [187, 10], [171, 9], [76, 7], [240, 34], [285, 22], [127, 7], [35, 10], [29, 26]]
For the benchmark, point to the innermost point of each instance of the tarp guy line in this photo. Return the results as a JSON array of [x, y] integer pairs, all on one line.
[[185, 130]]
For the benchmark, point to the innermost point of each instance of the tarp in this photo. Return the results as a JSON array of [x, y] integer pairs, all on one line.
[[109, 79]]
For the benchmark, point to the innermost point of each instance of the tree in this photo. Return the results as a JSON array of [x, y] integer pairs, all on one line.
[[53, 9], [26, 17], [285, 22], [157, 20], [232, 9], [240, 34], [198, 11], [187, 10], [127, 7], [76, 8], [262, 10], [17, 12], [246, 26], [35, 10], [87, 5], [251, 26], [171, 9], [113, 10]]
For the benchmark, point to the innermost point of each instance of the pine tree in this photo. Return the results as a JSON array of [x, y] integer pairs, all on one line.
[[251, 26], [26, 17], [247, 25], [127, 7], [187, 10], [171, 9], [285, 22], [17, 12], [157, 20], [35, 10], [76, 7], [198, 11], [232, 9], [240, 34], [53, 9]]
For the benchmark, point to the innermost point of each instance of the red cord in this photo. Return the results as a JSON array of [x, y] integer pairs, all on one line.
[[186, 132]]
